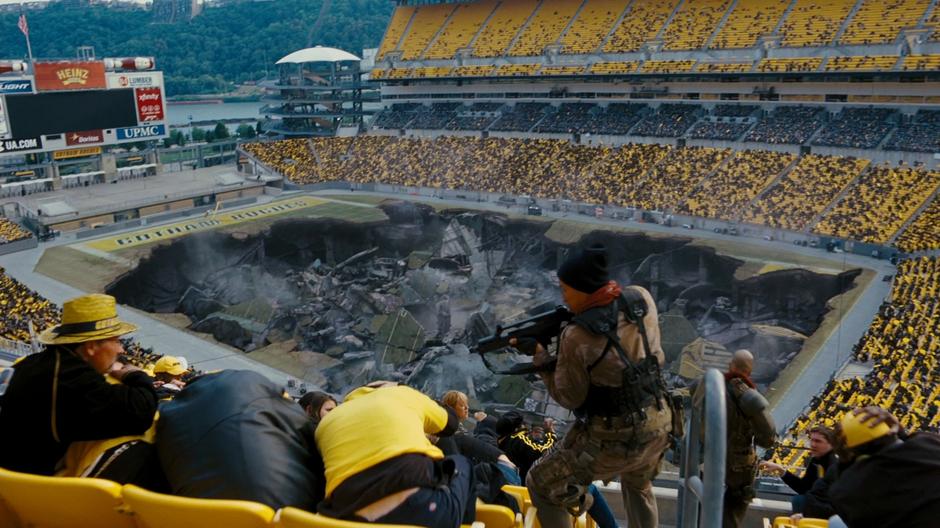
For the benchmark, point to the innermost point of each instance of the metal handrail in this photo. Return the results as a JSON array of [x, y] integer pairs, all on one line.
[[709, 489]]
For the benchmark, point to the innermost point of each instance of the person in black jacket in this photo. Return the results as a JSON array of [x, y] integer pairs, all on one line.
[[60, 395], [887, 478], [821, 440]]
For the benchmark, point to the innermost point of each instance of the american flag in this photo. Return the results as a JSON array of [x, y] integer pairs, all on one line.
[[24, 27]]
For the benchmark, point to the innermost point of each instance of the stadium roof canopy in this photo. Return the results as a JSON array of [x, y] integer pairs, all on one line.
[[317, 54]]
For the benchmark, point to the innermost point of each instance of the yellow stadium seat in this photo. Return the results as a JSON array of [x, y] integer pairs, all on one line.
[[521, 494], [812, 523], [54, 502], [7, 517], [297, 518], [494, 516], [156, 510], [784, 522]]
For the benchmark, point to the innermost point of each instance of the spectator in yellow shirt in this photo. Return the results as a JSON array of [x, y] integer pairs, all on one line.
[[381, 467]]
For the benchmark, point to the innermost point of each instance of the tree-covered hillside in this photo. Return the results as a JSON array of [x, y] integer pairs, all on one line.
[[231, 43]]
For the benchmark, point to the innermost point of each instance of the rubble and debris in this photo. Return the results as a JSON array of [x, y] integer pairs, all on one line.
[[339, 304]]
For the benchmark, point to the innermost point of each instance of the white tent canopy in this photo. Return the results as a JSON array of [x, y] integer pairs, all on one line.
[[317, 54]]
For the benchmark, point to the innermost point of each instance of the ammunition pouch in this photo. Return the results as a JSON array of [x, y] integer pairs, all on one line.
[[564, 475]]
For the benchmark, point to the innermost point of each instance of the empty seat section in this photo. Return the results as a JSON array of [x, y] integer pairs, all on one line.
[[814, 22], [595, 21], [396, 28], [642, 22], [881, 21], [749, 20], [502, 27], [427, 21], [459, 32], [695, 21], [545, 27]]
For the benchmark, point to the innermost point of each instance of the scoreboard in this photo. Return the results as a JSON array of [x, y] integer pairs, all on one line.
[[66, 105]]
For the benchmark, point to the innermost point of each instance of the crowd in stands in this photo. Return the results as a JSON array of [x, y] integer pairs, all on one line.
[[813, 23], [522, 117], [922, 234], [751, 185], [863, 128], [570, 118], [802, 194], [726, 193], [641, 24], [919, 134], [787, 124], [592, 25], [881, 201], [733, 110], [544, 27], [615, 119], [22, 308], [10, 231], [902, 346], [669, 120], [670, 181], [720, 130]]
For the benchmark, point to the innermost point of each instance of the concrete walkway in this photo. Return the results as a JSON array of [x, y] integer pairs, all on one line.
[[163, 338]]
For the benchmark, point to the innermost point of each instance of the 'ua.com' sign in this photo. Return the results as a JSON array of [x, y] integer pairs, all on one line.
[[149, 104]]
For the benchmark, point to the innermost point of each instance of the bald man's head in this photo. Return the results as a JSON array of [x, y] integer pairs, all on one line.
[[742, 362]]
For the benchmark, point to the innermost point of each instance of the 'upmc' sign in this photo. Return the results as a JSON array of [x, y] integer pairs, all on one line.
[[141, 132], [19, 86]]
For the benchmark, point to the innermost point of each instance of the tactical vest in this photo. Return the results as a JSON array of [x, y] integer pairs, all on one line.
[[642, 383]]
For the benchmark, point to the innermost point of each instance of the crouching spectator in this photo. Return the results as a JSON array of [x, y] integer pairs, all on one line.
[[381, 467], [168, 373], [317, 405], [60, 396], [887, 478], [235, 435]]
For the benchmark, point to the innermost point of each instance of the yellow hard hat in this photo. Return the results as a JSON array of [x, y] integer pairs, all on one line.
[[857, 432]]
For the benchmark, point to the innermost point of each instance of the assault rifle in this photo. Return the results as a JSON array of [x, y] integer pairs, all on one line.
[[541, 329]]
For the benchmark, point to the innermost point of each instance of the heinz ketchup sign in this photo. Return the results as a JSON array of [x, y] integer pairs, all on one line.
[[149, 104]]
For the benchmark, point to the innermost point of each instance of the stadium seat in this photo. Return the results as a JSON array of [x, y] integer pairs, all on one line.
[[7, 517], [784, 522], [495, 516], [60, 502], [156, 510], [812, 523], [297, 518]]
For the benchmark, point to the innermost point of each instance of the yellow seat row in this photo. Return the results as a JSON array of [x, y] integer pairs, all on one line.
[[32, 501]]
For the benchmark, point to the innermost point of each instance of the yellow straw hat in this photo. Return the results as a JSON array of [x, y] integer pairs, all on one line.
[[87, 318]]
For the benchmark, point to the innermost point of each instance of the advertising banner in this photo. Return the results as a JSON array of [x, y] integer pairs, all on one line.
[[69, 75], [88, 137], [149, 104], [141, 132], [8, 146], [135, 80], [16, 86], [76, 153]]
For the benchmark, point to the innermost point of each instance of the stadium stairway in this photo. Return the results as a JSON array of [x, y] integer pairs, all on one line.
[[773, 183], [913, 217], [675, 11], [836, 199], [720, 24], [847, 21], [570, 23], [783, 17], [927, 14], [437, 34], [522, 28]]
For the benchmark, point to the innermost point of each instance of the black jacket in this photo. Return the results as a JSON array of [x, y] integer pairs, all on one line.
[[35, 431], [815, 467], [896, 487], [232, 435]]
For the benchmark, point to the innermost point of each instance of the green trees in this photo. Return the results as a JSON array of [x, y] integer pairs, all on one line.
[[230, 44]]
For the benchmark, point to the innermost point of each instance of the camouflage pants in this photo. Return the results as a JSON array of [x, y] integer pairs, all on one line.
[[594, 451]]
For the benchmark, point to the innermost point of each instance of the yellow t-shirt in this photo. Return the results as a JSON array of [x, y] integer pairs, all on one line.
[[375, 425]]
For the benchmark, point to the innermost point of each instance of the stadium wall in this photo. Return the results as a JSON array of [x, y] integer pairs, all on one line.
[[19, 245]]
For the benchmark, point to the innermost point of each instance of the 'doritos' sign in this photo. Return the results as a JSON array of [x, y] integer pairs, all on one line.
[[70, 75]]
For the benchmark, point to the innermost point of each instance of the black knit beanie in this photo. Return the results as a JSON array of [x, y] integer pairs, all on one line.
[[586, 269]]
